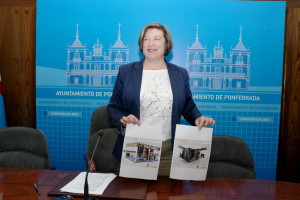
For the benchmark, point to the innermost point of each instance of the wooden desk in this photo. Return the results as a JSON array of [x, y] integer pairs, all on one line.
[[18, 184]]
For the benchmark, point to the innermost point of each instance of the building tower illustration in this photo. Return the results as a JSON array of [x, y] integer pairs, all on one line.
[[95, 68], [216, 71]]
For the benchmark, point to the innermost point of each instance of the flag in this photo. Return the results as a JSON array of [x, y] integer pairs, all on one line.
[[2, 110]]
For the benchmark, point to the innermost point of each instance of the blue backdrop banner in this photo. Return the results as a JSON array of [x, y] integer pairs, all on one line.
[[233, 51], [2, 108]]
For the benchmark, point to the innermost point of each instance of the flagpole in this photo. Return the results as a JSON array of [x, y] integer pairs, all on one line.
[[2, 109]]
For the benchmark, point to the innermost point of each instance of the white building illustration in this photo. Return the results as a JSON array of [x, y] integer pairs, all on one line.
[[95, 68], [216, 71]]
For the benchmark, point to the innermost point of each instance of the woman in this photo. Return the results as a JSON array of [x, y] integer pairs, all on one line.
[[154, 92]]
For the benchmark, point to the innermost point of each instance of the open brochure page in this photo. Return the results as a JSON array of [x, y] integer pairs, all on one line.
[[191, 152], [141, 152]]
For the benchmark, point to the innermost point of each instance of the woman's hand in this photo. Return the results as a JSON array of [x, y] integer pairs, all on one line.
[[130, 119], [204, 121]]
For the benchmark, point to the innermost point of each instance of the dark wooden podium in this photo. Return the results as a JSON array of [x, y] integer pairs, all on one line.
[[18, 184]]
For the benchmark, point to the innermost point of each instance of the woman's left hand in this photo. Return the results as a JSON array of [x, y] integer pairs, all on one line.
[[204, 121]]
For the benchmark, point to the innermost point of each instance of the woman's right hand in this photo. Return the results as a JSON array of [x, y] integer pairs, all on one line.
[[130, 119]]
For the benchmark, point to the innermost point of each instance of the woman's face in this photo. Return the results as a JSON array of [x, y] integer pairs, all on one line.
[[154, 44]]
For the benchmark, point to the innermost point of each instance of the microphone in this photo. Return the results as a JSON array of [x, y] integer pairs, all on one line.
[[86, 184]]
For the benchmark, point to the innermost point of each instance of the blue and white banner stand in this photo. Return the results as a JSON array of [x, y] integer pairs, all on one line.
[[2, 108], [233, 51]]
